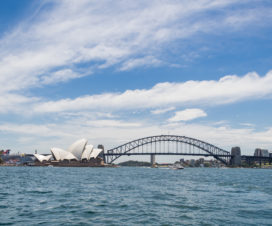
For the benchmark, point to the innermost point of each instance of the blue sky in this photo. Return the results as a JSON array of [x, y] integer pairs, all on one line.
[[116, 71]]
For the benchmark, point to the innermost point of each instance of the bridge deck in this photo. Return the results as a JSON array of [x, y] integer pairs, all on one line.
[[166, 153]]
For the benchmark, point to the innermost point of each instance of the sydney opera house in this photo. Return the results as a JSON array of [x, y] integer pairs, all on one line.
[[78, 154]]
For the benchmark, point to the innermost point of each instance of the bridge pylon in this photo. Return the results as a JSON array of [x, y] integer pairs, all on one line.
[[152, 159], [235, 156]]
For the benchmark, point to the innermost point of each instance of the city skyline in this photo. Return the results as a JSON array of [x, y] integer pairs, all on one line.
[[112, 72]]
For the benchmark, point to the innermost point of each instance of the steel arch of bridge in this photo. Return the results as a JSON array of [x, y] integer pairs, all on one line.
[[209, 149]]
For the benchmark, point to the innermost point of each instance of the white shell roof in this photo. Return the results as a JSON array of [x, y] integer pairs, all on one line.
[[57, 152], [69, 156], [87, 152], [77, 148], [42, 158], [61, 154], [95, 152]]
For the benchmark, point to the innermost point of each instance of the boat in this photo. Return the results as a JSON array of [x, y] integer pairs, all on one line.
[[176, 167]]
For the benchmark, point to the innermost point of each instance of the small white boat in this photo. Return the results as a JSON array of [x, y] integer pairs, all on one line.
[[176, 167]]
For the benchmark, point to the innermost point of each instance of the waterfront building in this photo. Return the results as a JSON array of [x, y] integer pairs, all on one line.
[[61, 155], [192, 162], [261, 152], [17, 159], [182, 160], [78, 151], [77, 148], [95, 152], [86, 155], [43, 158]]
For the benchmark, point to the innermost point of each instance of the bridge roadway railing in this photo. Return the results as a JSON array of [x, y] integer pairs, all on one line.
[[209, 149]]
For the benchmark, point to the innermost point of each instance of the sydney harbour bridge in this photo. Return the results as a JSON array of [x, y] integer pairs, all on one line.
[[177, 145]]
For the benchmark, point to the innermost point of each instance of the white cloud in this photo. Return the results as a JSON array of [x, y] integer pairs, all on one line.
[[128, 34], [14, 103], [112, 123], [187, 115], [162, 110], [33, 129], [32, 136], [228, 89], [59, 39], [164, 96], [247, 124], [60, 76], [221, 123], [51, 47], [145, 61]]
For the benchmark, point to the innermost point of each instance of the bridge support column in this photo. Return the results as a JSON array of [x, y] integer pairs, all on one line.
[[152, 159], [236, 156], [100, 146]]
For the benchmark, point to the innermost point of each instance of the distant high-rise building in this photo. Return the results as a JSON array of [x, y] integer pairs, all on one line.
[[261, 152], [192, 162]]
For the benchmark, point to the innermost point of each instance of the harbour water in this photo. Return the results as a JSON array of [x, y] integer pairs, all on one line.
[[135, 196]]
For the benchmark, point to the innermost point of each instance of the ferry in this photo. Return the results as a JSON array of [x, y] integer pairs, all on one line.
[[176, 167]]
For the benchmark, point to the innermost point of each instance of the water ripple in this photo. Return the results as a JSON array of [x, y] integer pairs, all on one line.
[[135, 196]]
